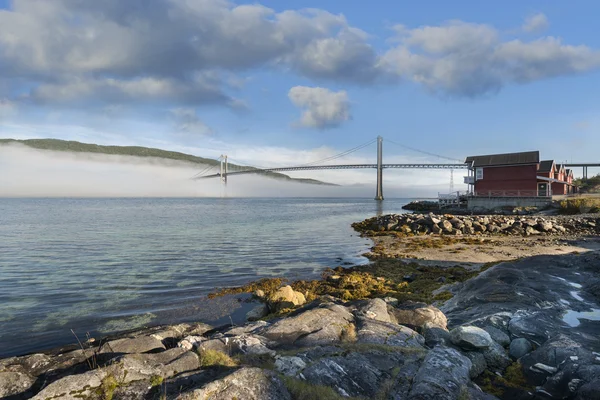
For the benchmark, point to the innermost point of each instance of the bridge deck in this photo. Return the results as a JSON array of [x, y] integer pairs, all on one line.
[[346, 166]]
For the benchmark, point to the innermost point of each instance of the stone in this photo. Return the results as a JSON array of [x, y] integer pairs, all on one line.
[[258, 312], [545, 368], [471, 338], [589, 391], [446, 226], [245, 383], [415, 315], [321, 325], [13, 383], [190, 342], [247, 329], [286, 297], [391, 301], [378, 332], [544, 226], [140, 344], [289, 366], [376, 309], [403, 381], [496, 357], [443, 375], [478, 363], [435, 335], [249, 344], [350, 376], [531, 231], [497, 335], [519, 347]]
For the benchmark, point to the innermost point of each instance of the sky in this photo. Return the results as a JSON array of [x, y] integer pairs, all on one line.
[[283, 83]]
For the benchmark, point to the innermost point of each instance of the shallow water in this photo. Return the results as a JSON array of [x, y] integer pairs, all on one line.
[[104, 265]]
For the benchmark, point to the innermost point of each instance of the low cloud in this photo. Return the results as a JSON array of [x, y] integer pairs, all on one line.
[[323, 108], [536, 23]]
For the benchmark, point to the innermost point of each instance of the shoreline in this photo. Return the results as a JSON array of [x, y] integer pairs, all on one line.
[[424, 304]]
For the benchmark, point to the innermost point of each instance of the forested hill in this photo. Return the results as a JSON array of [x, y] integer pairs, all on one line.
[[137, 151]]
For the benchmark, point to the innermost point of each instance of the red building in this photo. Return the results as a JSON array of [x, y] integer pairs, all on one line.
[[517, 175]]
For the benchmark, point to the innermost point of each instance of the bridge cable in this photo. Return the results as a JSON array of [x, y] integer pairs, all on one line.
[[423, 152]]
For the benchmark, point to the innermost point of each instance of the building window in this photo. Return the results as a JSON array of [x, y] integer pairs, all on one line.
[[478, 174]]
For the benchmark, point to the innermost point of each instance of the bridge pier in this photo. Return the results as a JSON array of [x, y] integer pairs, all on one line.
[[379, 193], [224, 170]]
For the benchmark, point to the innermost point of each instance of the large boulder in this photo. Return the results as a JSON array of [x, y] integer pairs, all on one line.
[[416, 315], [496, 357], [245, 383], [435, 335], [321, 325], [376, 309], [377, 332], [471, 338], [133, 367], [478, 363], [289, 365], [286, 297], [443, 375], [73, 387]]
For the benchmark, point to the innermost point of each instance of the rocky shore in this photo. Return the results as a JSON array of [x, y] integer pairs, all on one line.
[[523, 329]]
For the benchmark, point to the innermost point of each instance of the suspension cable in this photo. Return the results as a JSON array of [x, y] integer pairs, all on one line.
[[422, 151]]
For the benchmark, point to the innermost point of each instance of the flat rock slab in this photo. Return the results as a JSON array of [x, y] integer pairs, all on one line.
[[317, 326], [377, 332], [442, 376], [140, 344], [349, 376], [144, 366], [73, 386], [245, 383]]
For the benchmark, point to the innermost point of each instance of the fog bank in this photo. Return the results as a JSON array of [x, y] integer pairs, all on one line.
[[27, 172]]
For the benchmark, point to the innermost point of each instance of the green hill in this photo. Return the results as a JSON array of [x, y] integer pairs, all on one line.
[[138, 151]]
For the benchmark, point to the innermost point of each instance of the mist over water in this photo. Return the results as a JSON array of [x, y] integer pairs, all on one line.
[[27, 172]]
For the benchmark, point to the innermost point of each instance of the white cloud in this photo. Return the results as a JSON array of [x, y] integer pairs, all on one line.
[[322, 107], [536, 23], [7, 108], [471, 60]]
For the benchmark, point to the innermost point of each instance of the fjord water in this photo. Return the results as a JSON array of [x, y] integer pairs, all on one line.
[[105, 265]]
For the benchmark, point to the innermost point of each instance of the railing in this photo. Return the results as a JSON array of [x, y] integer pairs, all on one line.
[[510, 193]]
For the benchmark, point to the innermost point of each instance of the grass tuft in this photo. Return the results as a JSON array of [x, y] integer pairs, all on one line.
[[215, 358]]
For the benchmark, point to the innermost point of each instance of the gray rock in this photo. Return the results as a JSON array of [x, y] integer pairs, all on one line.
[[496, 357], [248, 328], [403, 381], [14, 383], [589, 391], [377, 332], [245, 383], [289, 366], [416, 315], [391, 301], [349, 376], [478, 363], [497, 335], [132, 367], [434, 335], [471, 338], [443, 375], [544, 226], [318, 326], [519, 347], [531, 231], [258, 312], [140, 344], [249, 344], [190, 342], [67, 388], [376, 309]]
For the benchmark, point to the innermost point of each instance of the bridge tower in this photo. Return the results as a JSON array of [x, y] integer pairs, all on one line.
[[224, 169], [379, 194]]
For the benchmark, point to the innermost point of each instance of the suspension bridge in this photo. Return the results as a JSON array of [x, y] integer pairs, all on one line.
[[224, 171]]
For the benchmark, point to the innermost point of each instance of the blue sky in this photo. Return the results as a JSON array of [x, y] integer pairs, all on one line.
[[279, 83]]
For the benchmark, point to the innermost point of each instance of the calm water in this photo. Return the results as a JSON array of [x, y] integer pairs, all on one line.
[[104, 265]]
